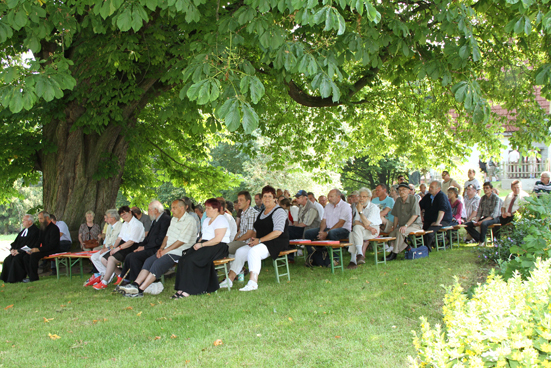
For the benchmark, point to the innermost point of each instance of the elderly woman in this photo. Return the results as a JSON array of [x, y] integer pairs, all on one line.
[[114, 225], [407, 219], [196, 273], [271, 237], [132, 232], [366, 224], [88, 233], [457, 205]]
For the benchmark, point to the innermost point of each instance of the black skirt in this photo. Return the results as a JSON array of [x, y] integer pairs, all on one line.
[[196, 273], [13, 269]]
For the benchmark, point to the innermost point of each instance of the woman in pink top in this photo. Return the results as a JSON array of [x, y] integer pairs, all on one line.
[[455, 203]]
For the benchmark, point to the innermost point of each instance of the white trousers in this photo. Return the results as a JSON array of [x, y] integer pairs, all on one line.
[[96, 260], [252, 255], [357, 237]]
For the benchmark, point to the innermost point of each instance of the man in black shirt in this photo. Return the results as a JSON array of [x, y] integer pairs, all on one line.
[[49, 239], [13, 269], [437, 211]]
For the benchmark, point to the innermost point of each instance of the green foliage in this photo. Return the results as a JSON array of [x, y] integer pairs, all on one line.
[[360, 171], [27, 200], [529, 240], [505, 324]]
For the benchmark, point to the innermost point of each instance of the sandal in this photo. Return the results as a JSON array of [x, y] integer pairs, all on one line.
[[178, 295]]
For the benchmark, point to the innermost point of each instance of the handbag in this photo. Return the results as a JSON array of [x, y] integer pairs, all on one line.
[[91, 244], [419, 252]]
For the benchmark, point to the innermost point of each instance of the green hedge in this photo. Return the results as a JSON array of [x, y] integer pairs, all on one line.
[[505, 324]]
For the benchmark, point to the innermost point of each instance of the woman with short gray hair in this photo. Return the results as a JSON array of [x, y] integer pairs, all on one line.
[[89, 232]]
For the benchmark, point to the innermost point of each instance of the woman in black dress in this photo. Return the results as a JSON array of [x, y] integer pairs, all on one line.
[[196, 273]]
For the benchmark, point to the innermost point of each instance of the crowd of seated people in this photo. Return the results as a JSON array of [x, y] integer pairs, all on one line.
[[136, 249]]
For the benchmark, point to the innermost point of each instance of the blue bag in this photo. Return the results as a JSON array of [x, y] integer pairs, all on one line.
[[419, 252]]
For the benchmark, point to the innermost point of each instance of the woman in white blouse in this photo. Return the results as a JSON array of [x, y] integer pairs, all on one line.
[[132, 233], [196, 273]]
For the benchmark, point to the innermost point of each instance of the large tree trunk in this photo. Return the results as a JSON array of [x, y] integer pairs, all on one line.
[[70, 189]]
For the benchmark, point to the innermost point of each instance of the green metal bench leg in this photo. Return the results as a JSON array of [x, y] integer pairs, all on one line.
[[276, 269], [57, 267]]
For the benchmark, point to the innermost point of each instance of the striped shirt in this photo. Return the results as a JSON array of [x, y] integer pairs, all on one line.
[[183, 229], [279, 218], [247, 221], [471, 205], [541, 188]]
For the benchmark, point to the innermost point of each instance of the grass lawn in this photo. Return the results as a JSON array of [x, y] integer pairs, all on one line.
[[363, 318]]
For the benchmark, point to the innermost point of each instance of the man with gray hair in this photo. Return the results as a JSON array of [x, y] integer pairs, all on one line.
[[160, 222], [543, 186], [437, 211], [335, 225], [366, 222], [49, 238], [13, 269], [113, 229]]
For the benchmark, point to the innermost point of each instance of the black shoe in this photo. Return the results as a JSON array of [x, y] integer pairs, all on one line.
[[392, 256]]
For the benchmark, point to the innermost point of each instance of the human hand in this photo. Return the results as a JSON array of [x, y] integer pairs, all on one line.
[[322, 235], [403, 230], [159, 253], [114, 250], [35, 250], [197, 246], [139, 249], [436, 224]]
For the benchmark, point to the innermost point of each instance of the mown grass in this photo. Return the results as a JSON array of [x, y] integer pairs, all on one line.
[[363, 318]]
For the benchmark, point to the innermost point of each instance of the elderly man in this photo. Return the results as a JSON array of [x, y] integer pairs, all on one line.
[[322, 200], [319, 207], [160, 222], [145, 220], [13, 269], [487, 214], [385, 203], [49, 239], [366, 224], [246, 222], [335, 225], [407, 219], [181, 235], [447, 182], [437, 211], [113, 229], [543, 186], [422, 191], [511, 204]]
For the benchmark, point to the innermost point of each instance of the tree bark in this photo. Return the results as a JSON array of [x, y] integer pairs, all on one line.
[[70, 189]]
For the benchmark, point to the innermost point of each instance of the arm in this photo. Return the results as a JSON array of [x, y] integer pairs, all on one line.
[[255, 241], [472, 216], [439, 219], [218, 236], [249, 234], [385, 211], [408, 224]]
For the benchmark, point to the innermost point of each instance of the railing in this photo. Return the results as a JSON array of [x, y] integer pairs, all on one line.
[[524, 170]]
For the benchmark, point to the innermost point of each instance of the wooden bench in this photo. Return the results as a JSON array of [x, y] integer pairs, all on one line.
[[333, 246], [376, 241], [69, 260], [491, 228], [441, 236], [220, 264], [418, 234]]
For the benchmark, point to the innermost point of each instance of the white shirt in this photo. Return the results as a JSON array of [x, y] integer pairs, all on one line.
[[183, 229], [372, 213], [333, 214], [132, 230], [518, 201], [514, 156], [233, 225], [64, 229], [219, 223], [320, 209], [294, 212], [112, 234]]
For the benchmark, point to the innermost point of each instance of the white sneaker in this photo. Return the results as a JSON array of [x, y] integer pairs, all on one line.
[[481, 244], [226, 283], [390, 249], [249, 287]]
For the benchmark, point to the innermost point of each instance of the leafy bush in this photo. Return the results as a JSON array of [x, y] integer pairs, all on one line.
[[505, 324], [520, 245], [529, 239]]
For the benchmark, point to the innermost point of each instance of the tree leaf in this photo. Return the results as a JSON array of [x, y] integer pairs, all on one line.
[[257, 90], [325, 87], [124, 20], [16, 102], [233, 117], [250, 118]]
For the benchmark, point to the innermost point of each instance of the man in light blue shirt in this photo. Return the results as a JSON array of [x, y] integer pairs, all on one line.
[[385, 203]]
